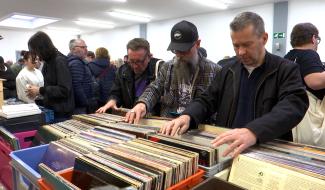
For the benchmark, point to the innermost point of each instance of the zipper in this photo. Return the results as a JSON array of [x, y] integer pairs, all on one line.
[[258, 89]]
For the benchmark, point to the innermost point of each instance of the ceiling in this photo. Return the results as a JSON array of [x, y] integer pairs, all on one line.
[[70, 10]]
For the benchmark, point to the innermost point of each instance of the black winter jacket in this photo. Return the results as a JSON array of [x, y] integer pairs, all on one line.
[[280, 99], [57, 91], [123, 90]]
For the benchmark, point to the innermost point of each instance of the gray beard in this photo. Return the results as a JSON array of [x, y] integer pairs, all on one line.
[[185, 69]]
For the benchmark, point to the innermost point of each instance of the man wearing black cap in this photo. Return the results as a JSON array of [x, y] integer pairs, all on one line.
[[257, 94], [186, 76]]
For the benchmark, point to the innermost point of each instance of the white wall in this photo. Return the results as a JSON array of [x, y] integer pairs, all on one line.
[[308, 11], [213, 31], [114, 40], [17, 40]]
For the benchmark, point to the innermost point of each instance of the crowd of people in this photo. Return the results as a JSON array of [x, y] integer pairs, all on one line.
[[260, 96]]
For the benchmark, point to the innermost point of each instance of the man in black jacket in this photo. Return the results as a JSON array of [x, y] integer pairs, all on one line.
[[259, 95], [132, 78]]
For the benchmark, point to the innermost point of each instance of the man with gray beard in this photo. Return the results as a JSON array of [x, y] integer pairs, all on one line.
[[180, 80]]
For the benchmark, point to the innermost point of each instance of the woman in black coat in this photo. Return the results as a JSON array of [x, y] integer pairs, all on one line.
[[57, 92]]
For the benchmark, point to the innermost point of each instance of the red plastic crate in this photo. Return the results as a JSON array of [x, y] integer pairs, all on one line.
[[25, 138], [189, 182], [5, 168], [183, 185]]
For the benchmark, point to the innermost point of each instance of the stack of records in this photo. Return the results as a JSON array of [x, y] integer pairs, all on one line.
[[140, 163], [137, 164], [289, 168], [99, 118], [313, 152], [19, 110], [96, 139], [139, 130], [196, 141], [52, 132]]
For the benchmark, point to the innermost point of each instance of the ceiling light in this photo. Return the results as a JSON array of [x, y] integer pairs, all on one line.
[[212, 3], [119, 1], [23, 17], [63, 29], [129, 15], [94, 23], [17, 20]]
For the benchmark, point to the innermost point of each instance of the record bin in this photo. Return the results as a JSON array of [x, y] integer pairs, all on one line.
[[25, 165], [67, 174]]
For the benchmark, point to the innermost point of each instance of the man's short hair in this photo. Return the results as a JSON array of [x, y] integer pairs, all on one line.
[[72, 44], [245, 19], [302, 34], [138, 43]]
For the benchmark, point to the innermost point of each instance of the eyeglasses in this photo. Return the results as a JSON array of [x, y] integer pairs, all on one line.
[[83, 47], [138, 62], [318, 39]]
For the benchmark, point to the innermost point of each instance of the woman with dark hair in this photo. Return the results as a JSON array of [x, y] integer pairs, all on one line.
[[57, 92], [29, 75], [9, 90]]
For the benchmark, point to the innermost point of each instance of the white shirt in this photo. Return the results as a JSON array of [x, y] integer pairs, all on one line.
[[27, 77]]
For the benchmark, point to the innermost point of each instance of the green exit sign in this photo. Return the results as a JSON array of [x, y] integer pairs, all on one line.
[[279, 35]]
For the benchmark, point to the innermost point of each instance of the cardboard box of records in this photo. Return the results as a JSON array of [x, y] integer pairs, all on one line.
[[277, 165]]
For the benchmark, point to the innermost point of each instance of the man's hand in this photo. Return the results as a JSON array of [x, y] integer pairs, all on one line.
[[108, 105], [176, 126], [32, 91], [137, 112], [237, 139]]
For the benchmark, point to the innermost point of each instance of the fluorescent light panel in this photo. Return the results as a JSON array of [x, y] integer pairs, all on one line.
[[94, 23], [212, 3], [63, 29], [18, 20], [126, 15]]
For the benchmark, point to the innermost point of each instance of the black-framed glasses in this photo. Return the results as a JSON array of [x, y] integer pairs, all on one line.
[[83, 47], [318, 39], [137, 62]]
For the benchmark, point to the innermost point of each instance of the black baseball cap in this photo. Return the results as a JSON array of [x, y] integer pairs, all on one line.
[[183, 36]]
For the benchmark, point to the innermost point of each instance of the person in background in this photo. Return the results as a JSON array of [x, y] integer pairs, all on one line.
[[18, 66], [259, 95], [304, 40], [82, 80], [9, 85], [29, 75], [180, 80], [104, 73], [90, 57], [132, 78], [57, 92]]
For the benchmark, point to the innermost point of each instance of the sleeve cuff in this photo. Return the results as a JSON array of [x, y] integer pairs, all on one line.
[[42, 91]]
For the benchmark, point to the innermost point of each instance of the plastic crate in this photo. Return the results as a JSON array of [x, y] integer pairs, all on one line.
[[5, 168], [189, 183], [25, 138], [66, 174], [25, 165], [183, 185]]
